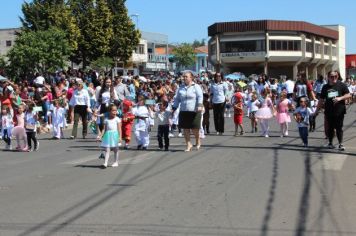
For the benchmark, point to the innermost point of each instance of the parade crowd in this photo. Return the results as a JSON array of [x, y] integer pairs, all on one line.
[[118, 108]]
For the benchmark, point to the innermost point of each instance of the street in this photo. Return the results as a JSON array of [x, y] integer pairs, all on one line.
[[246, 185]]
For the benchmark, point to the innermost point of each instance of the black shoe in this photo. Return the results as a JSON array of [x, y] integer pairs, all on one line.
[[144, 148], [139, 147], [331, 146], [341, 147], [101, 156], [166, 149]]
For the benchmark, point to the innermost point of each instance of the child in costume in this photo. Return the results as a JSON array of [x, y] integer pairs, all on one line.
[[127, 122], [237, 103], [58, 120]]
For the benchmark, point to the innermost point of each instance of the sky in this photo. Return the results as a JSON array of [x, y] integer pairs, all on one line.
[[187, 20]]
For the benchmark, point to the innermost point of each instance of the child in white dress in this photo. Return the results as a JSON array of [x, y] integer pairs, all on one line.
[[58, 120]]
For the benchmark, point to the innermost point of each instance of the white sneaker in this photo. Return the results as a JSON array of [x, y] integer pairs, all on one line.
[[9, 147], [266, 136], [180, 135], [225, 115], [170, 135], [229, 115], [115, 164]]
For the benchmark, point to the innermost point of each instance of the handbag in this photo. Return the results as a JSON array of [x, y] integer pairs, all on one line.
[[30, 126]]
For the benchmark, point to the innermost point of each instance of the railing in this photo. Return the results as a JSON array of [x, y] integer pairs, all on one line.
[[157, 58]]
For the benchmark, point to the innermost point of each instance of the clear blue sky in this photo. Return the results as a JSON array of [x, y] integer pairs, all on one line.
[[186, 20]]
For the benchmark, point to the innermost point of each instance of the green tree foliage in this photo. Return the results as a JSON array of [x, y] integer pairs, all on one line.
[[44, 14], [40, 51], [94, 20], [102, 63], [198, 43], [184, 55], [125, 37]]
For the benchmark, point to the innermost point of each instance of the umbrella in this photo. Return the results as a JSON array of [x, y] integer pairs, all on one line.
[[3, 78], [241, 84], [233, 76]]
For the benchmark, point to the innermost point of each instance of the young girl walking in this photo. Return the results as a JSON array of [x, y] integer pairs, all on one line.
[[283, 118], [111, 136], [253, 105], [265, 112], [237, 103], [6, 126], [301, 116]]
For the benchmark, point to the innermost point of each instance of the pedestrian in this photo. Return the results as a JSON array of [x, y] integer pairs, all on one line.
[[141, 126], [111, 136], [282, 116], [206, 115], [163, 120], [237, 103], [127, 122], [7, 125], [218, 92], [58, 120], [31, 118], [332, 98], [253, 106], [264, 113], [312, 118], [81, 103], [19, 130], [301, 116], [190, 98]]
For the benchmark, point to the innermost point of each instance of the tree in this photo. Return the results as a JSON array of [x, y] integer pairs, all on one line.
[[102, 62], [184, 55], [198, 43], [44, 14], [125, 37], [42, 51], [94, 20]]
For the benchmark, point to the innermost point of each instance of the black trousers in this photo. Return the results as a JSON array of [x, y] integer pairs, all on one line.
[[31, 136], [335, 123], [163, 131], [219, 120], [312, 122], [80, 111]]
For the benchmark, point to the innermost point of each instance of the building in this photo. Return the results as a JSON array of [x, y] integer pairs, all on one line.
[[157, 53], [351, 65], [276, 47], [7, 39], [201, 59]]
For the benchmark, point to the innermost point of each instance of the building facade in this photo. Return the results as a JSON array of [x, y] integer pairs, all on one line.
[[7, 39], [276, 47], [351, 65]]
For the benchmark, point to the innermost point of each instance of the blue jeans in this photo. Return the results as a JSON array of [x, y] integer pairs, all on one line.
[[303, 133]]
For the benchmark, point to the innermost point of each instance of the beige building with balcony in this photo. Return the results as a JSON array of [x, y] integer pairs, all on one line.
[[277, 47]]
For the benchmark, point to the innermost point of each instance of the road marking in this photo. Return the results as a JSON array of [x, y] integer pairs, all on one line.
[[127, 161], [331, 162]]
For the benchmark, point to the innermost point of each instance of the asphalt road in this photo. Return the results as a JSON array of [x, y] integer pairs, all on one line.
[[247, 185]]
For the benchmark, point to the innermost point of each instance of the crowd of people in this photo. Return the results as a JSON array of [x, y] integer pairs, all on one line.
[[115, 108]]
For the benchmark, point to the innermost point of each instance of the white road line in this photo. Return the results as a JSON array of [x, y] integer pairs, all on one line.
[[127, 161], [331, 162]]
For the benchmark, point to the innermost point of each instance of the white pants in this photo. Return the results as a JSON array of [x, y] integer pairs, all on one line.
[[264, 126], [142, 137], [57, 131]]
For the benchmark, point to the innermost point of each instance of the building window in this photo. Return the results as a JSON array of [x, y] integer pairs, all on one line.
[[140, 49], [309, 47], [285, 45], [326, 49], [317, 48], [334, 51], [8, 43], [243, 46]]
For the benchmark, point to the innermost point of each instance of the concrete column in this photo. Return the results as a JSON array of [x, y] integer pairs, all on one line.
[[295, 71], [218, 58], [265, 68]]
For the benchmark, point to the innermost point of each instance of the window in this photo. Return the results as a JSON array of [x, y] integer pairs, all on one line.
[[285, 45], [334, 51], [309, 47], [140, 49], [243, 46], [326, 49], [8, 43], [212, 49], [317, 48]]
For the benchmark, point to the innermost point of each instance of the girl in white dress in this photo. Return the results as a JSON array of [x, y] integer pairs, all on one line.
[[58, 120]]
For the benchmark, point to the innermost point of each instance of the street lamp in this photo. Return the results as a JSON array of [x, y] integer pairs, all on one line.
[[136, 16]]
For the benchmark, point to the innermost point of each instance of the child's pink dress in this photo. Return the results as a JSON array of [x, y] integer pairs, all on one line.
[[282, 112]]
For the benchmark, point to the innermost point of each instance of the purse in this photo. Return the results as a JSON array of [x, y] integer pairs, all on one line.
[[30, 126]]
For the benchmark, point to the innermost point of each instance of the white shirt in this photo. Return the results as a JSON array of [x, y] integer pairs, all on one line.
[[141, 111], [80, 98], [111, 124], [289, 86], [39, 80]]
